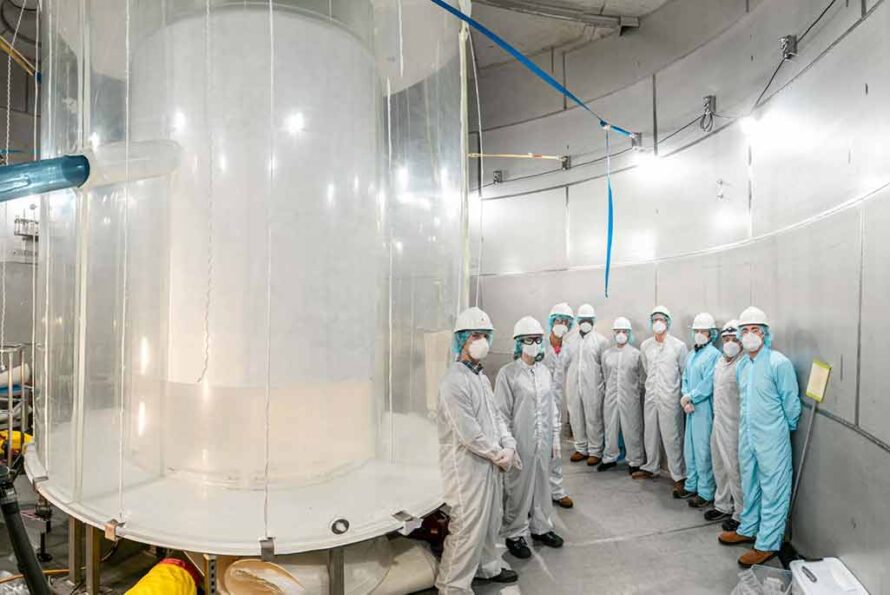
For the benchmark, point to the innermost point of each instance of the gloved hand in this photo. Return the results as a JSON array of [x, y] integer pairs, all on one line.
[[689, 407], [504, 459]]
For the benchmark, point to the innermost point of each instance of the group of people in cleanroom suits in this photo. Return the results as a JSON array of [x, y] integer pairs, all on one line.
[[723, 413]]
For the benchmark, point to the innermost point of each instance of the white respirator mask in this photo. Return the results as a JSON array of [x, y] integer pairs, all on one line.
[[731, 349], [751, 342], [479, 349], [702, 339], [585, 327], [621, 338], [659, 326], [532, 350], [560, 330]]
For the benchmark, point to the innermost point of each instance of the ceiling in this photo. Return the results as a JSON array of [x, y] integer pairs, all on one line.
[[525, 24]]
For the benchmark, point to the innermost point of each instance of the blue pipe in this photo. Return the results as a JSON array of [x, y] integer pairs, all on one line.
[[46, 175]]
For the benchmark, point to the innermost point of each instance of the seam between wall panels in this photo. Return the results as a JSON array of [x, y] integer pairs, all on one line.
[[870, 437], [859, 320], [848, 204]]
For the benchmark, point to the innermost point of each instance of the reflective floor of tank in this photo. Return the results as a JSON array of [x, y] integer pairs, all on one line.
[[624, 536]]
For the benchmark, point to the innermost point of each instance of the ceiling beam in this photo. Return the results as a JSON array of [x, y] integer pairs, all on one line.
[[563, 12]]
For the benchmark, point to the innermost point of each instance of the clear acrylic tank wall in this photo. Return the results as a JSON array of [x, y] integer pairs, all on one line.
[[242, 334]]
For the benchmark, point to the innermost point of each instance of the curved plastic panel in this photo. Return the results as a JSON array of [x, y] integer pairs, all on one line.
[[248, 348]]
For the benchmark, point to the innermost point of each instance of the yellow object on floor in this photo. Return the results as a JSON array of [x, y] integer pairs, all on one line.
[[16, 441], [169, 577]]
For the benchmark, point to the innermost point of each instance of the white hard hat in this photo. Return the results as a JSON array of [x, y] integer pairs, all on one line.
[[527, 326], [621, 324], [562, 309], [586, 311], [753, 315], [660, 310], [703, 322], [730, 327], [473, 319]]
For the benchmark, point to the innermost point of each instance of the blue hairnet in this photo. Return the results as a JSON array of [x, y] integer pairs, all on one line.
[[553, 319], [767, 335], [460, 339]]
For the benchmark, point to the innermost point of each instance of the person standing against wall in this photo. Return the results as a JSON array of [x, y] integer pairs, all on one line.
[[556, 356], [769, 412], [698, 391], [664, 358], [585, 388], [524, 396], [623, 405], [475, 447], [725, 435]]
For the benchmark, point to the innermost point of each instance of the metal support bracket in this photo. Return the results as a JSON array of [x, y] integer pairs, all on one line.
[[267, 549], [111, 528], [336, 574], [210, 577], [789, 47]]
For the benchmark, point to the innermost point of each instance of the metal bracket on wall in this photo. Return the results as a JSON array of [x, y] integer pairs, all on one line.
[[789, 46], [267, 549]]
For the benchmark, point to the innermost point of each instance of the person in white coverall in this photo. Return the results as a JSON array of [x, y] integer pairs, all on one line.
[[728, 500], [556, 358], [524, 396], [475, 448], [664, 358], [623, 404], [584, 388]]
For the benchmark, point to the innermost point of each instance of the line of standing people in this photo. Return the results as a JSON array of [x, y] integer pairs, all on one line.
[[724, 415]]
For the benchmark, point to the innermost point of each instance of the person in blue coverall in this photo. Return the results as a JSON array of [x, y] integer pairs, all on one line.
[[770, 409], [697, 402]]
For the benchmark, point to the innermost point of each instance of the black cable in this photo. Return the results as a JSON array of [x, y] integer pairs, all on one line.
[[819, 18], [768, 84], [26, 557], [679, 130]]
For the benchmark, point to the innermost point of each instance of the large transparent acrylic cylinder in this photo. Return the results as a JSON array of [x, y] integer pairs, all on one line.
[[243, 343]]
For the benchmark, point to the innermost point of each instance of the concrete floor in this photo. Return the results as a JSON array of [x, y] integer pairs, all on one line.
[[625, 536], [622, 536]]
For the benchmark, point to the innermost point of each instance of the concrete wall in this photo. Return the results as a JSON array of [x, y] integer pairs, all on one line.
[[788, 217]]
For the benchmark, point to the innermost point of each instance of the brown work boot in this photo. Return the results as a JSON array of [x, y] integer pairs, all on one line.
[[593, 461], [642, 474], [755, 556], [679, 491], [733, 538], [577, 457], [564, 502]]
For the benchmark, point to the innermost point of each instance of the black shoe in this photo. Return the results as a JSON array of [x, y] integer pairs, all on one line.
[[550, 539], [717, 515], [605, 466], [730, 525], [698, 502], [506, 576], [519, 548], [632, 470]]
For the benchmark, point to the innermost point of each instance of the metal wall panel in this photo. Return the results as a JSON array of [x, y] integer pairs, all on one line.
[[812, 277], [670, 32], [874, 412], [571, 132], [736, 65], [842, 507], [823, 140], [524, 234], [717, 283], [511, 94], [665, 208]]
